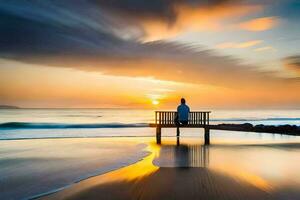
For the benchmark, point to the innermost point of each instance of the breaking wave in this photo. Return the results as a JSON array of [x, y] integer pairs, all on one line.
[[27, 125]]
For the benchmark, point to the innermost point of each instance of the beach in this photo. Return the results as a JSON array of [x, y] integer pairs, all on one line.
[[33, 167], [138, 168], [116, 157], [182, 171]]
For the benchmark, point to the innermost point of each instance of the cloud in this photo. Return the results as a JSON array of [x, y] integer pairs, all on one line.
[[195, 18], [161, 19], [112, 38], [259, 24], [266, 48], [240, 45], [292, 63], [92, 37]]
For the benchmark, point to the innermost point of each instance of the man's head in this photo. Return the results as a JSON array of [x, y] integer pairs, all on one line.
[[182, 100]]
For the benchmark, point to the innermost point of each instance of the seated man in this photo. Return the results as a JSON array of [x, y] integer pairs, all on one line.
[[182, 116]]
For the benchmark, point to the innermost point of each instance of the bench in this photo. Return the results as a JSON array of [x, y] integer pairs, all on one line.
[[166, 119]]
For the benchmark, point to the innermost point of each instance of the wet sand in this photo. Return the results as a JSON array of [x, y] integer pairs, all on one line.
[[262, 168], [36, 166], [166, 183], [146, 181]]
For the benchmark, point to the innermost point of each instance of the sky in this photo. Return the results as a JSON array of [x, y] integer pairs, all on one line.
[[149, 54]]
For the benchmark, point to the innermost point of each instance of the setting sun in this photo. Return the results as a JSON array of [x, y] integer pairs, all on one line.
[[155, 102]]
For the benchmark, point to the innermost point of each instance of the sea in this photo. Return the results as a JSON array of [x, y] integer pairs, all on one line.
[[64, 123], [46, 150]]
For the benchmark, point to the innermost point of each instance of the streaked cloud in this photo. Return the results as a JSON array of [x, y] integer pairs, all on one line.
[[162, 19], [195, 18], [265, 48], [90, 38], [293, 63], [127, 39], [260, 24], [239, 45], [86, 39]]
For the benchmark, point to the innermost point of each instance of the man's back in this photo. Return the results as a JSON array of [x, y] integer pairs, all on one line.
[[183, 112]]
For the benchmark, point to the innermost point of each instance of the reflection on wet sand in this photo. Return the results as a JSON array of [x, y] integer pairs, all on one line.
[[190, 154], [180, 170], [183, 155]]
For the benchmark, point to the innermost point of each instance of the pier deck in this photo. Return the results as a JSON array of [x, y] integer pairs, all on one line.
[[166, 119]]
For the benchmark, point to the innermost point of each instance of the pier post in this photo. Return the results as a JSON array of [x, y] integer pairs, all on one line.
[[206, 136], [158, 135]]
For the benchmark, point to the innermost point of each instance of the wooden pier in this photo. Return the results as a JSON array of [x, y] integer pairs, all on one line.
[[166, 119]]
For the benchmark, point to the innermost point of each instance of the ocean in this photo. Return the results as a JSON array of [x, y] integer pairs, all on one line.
[[46, 150], [41, 123]]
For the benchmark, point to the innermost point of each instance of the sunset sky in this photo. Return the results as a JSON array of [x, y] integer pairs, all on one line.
[[149, 54]]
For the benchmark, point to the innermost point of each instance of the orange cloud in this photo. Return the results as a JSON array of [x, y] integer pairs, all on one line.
[[240, 45], [259, 24], [195, 19]]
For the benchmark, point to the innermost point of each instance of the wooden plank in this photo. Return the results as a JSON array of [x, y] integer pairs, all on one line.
[[158, 135], [194, 118], [201, 118], [173, 125], [208, 118], [168, 118], [206, 136], [159, 117]]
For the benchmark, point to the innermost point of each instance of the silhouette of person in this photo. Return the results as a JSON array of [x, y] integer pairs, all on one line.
[[182, 116]]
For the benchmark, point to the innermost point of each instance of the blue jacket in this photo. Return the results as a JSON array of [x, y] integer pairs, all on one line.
[[183, 112]]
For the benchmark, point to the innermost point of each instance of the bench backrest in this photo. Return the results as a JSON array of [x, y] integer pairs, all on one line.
[[195, 118]]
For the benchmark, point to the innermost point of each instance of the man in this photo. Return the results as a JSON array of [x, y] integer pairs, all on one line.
[[182, 116], [182, 113]]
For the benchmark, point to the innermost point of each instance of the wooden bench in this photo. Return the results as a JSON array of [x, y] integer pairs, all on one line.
[[166, 119]]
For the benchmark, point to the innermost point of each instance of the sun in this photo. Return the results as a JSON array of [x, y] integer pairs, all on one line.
[[155, 102]]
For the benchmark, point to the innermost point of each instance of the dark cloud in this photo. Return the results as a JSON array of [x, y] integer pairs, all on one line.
[[87, 35], [293, 63], [161, 9]]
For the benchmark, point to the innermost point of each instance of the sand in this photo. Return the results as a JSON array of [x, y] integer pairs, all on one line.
[[36, 166], [137, 168], [147, 181]]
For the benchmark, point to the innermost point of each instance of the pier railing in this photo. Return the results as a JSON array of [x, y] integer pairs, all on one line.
[[195, 118]]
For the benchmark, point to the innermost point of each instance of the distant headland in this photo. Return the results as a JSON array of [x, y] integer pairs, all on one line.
[[8, 107]]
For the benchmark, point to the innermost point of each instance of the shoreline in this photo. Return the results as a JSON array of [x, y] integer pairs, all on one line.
[[181, 167], [41, 196], [51, 165], [146, 180]]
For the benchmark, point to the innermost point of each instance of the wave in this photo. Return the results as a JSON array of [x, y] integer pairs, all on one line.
[[28, 125], [32, 125], [91, 116]]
